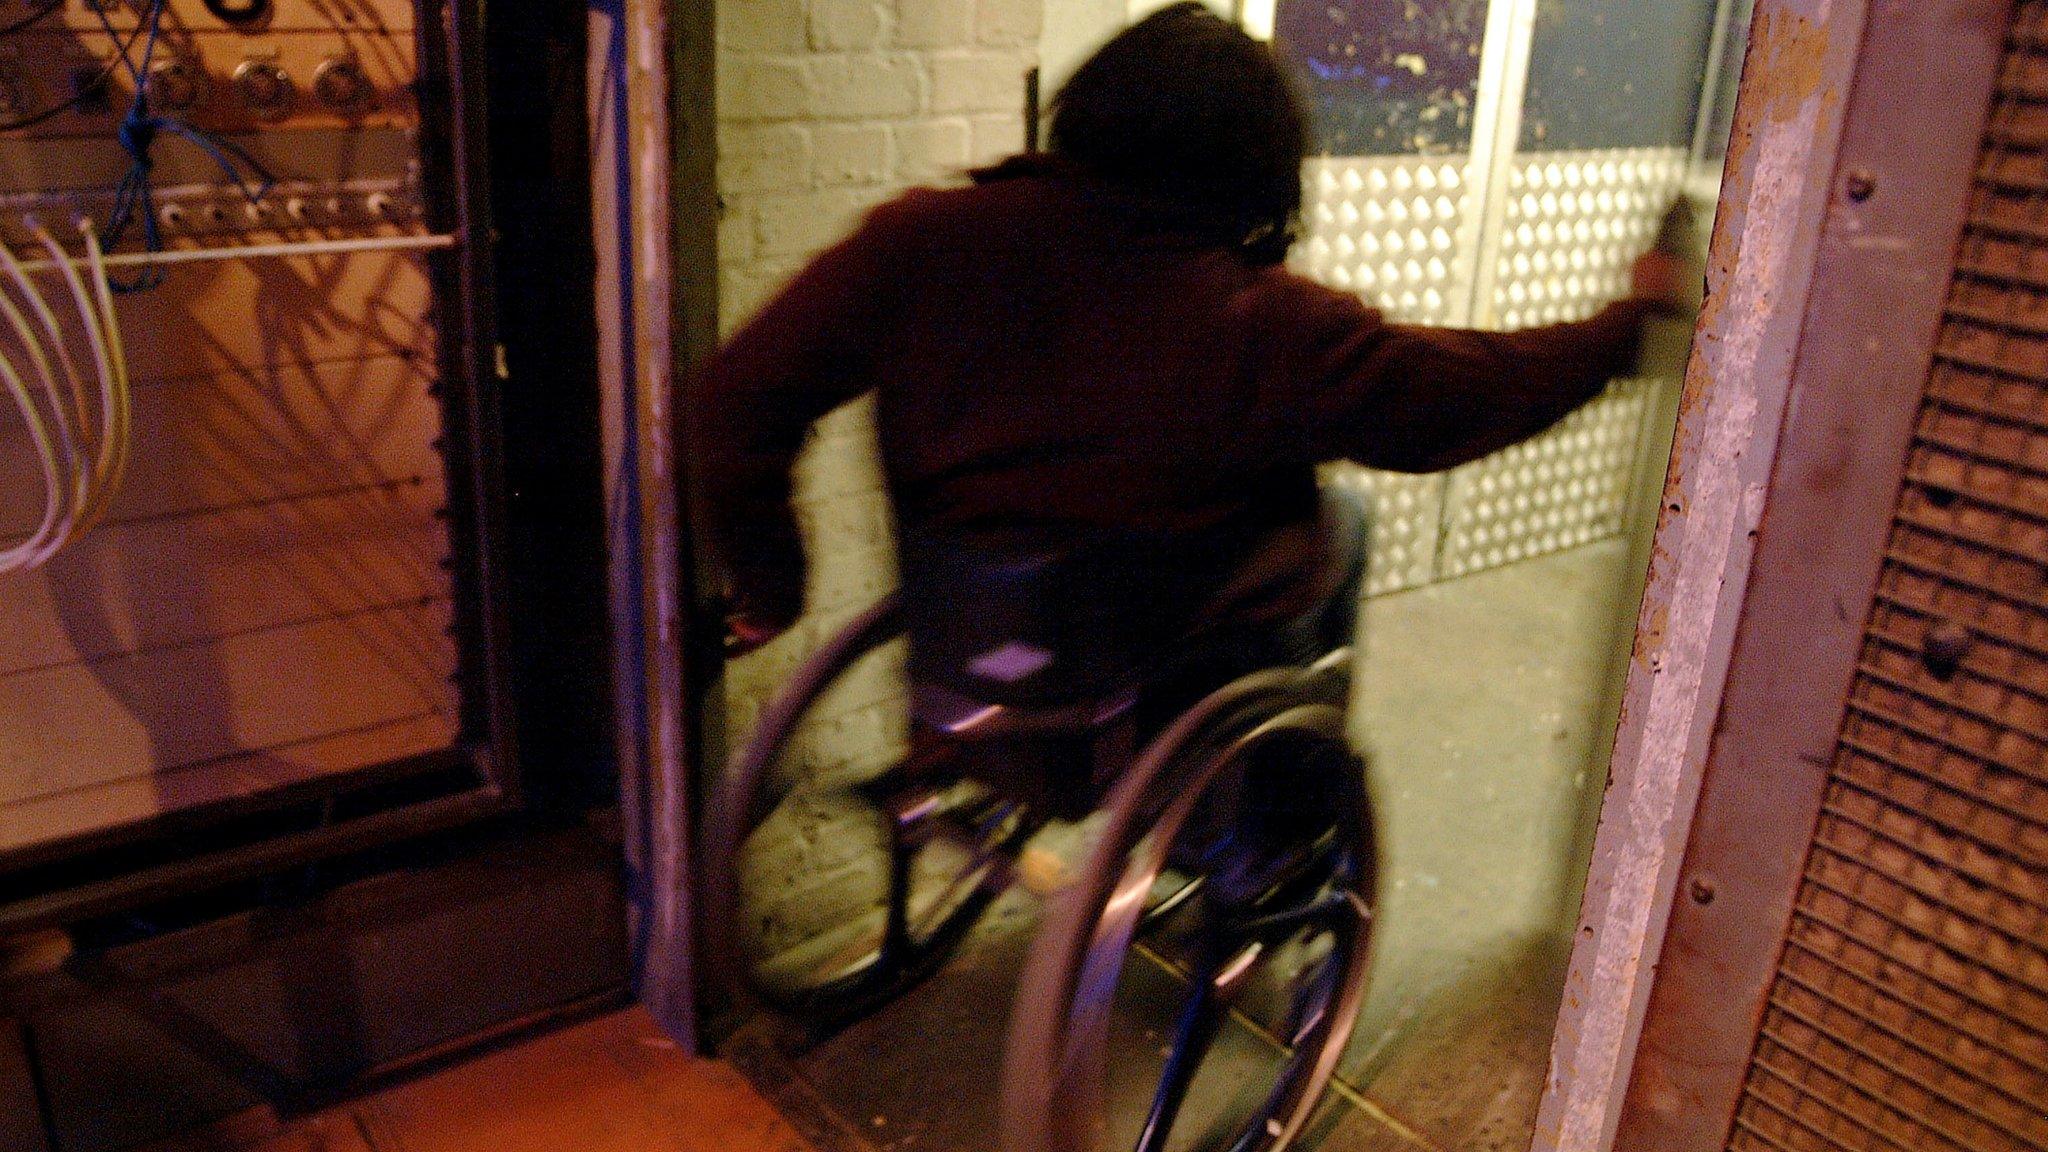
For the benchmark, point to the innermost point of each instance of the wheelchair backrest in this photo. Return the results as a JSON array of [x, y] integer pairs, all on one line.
[[1040, 618]]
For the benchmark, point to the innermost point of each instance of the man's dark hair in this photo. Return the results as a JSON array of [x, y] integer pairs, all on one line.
[[1185, 106]]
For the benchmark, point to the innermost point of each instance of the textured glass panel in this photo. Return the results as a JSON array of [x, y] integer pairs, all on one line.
[[1615, 73], [1385, 77]]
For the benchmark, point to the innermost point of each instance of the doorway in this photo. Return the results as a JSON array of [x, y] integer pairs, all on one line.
[[1487, 165]]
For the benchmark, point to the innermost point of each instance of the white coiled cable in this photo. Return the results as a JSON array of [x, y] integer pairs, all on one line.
[[82, 440]]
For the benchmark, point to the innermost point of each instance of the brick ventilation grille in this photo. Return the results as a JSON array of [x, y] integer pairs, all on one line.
[[1910, 1010]]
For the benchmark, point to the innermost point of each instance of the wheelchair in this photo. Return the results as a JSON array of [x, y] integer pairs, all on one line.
[[1230, 856]]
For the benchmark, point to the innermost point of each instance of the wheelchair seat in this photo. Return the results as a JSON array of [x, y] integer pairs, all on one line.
[[1028, 634]]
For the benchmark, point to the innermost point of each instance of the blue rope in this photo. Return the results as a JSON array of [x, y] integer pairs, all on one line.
[[139, 130]]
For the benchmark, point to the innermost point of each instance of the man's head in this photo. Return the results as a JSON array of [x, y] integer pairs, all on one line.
[[1185, 106]]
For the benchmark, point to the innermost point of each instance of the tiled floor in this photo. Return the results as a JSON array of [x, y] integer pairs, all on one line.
[[612, 1084], [1484, 702]]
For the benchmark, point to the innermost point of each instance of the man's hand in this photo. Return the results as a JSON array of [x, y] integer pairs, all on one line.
[[1668, 275], [1659, 277]]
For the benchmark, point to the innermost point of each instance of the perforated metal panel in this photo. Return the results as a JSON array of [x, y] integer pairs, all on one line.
[[1394, 230], [1910, 1009], [1575, 221], [1567, 487]]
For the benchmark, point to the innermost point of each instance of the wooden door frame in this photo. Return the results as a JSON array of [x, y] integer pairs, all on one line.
[[1775, 190], [654, 217], [1841, 203]]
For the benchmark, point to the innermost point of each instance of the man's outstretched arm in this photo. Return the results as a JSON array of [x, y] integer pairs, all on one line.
[[1416, 399]]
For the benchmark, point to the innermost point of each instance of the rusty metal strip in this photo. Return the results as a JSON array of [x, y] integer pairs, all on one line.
[[1881, 947], [1897, 994], [2012, 936], [1905, 559], [1949, 740], [1792, 1082], [1889, 679], [1758, 1134], [2014, 646], [1953, 787]]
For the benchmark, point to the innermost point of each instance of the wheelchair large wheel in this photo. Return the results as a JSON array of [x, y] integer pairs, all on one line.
[[841, 870], [1223, 1020]]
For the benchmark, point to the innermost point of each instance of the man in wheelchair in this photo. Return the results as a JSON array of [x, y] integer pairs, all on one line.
[[1097, 347], [1101, 402]]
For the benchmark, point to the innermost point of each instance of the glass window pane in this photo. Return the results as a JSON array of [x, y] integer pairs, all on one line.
[[1385, 79], [1615, 73]]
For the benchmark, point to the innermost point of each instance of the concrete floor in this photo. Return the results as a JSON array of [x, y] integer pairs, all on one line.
[[1484, 705]]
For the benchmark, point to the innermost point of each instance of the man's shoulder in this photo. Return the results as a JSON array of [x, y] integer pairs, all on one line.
[[978, 214]]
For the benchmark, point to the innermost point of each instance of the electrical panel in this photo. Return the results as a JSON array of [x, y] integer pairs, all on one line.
[[285, 593]]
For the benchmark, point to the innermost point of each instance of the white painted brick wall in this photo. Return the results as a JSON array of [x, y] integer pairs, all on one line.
[[827, 108], [1009, 23], [979, 81], [846, 25], [929, 151], [935, 23]]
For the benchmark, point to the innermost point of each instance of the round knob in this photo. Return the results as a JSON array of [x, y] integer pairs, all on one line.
[[265, 89], [340, 84], [176, 85]]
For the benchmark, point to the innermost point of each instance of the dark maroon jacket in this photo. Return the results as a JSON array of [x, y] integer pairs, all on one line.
[[1049, 350]]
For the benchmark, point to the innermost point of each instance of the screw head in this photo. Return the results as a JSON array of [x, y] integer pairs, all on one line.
[[1861, 185], [340, 84], [1947, 642]]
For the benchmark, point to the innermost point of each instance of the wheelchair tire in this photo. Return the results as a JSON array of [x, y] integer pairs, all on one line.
[[814, 867], [1055, 1095]]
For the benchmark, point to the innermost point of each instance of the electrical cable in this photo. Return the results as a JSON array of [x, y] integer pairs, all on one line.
[[52, 329], [31, 551], [83, 465], [122, 429], [65, 484], [60, 406], [113, 403], [84, 447]]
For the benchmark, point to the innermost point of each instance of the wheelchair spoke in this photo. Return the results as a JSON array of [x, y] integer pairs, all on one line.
[[1211, 992], [1327, 910]]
